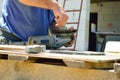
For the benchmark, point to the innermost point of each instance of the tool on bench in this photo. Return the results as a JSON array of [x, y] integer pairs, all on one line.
[[57, 37], [76, 52]]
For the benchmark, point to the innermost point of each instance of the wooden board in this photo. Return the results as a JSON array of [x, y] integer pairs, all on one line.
[[77, 57], [20, 50], [71, 60], [10, 70]]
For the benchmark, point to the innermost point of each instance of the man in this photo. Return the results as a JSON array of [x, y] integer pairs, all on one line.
[[25, 18]]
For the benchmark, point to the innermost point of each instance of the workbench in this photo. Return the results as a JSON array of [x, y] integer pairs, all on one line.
[[103, 35], [18, 65]]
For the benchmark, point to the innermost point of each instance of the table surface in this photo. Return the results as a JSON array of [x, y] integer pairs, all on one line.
[[78, 57], [107, 33]]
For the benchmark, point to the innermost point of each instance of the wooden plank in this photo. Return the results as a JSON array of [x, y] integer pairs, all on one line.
[[20, 50], [15, 57], [112, 47], [82, 61], [10, 70], [70, 59], [12, 47], [89, 58]]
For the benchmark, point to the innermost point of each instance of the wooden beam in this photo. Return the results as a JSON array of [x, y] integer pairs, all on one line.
[[11, 70]]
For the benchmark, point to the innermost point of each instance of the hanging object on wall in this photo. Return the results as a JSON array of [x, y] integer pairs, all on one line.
[[99, 3]]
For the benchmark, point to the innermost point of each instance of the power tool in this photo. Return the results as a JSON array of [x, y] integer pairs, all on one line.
[[56, 38]]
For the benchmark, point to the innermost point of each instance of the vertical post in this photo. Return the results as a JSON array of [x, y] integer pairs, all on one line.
[[83, 31]]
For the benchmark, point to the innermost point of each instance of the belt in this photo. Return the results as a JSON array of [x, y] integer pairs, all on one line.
[[10, 38]]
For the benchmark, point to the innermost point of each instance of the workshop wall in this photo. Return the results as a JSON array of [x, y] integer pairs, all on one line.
[[1, 1], [108, 16]]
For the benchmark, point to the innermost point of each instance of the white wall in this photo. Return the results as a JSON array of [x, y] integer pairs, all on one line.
[[108, 17], [1, 1]]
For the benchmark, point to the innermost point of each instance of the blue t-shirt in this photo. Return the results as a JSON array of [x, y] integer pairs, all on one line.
[[25, 21]]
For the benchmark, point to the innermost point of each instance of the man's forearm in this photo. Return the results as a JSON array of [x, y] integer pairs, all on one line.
[[47, 4]]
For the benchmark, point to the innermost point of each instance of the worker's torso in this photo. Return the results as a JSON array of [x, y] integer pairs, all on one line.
[[25, 21]]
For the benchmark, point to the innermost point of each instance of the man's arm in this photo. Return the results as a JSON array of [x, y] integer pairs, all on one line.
[[60, 15]]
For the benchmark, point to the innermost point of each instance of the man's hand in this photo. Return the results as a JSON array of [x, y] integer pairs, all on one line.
[[61, 17]]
